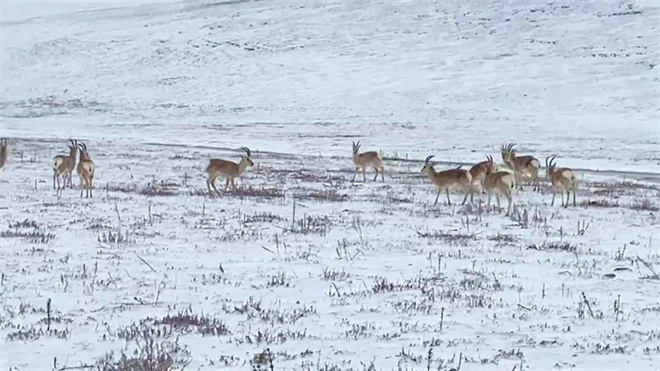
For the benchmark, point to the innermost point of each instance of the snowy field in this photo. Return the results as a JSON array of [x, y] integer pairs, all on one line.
[[303, 269]]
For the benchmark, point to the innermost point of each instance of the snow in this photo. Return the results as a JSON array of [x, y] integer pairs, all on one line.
[[157, 89]]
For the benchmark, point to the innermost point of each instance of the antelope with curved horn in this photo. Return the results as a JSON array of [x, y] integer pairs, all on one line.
[[479, 173], [444, 180], [563, 179], [227, 169], [63, 166], [4, 152], [521, 165], [367, 159], [500, 183], [85, 169]]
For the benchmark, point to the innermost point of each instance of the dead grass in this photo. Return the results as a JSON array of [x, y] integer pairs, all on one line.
[[644, 204], [260, 192], [329, 195], [602, 202], [161, 188], [150, 356], [554, 246], [452, 239]]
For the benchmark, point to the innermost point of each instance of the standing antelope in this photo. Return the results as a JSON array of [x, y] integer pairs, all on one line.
[[227, 169], [4, 152], [444, 180], [500, 183], [85, 171], [63, 166], [367, 159], [563, 179], [521, 165], [479, 173]]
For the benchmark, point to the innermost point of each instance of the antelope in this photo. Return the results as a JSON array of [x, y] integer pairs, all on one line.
[[521, 165], [563, 179], [366, 159], [63, 166], [227, 169], [479, 173], [453, 178], [500, 183], [85, 171], [4, 152]]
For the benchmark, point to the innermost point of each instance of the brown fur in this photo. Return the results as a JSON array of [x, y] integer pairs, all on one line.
[[521, 165], [63, 167], [85, 170], [365, 160], [479, 173], [500, 183], [444, 180], [227, 169], [563, 179]]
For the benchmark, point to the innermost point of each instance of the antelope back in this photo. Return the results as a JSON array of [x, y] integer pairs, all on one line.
[[222, 167]]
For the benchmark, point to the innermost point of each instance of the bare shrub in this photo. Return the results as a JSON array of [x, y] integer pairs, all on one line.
[[187, 322], [503, 239], [161, 188], [278, 280], [262, 192], [181, 323], [333, 275], [602, 202], [644, 204], [554, 246], [25, 224], [266, 217], [263, 361], [312, 225], [35, 236], [150, 356], [32, 333], [330, 195], [452, 239]]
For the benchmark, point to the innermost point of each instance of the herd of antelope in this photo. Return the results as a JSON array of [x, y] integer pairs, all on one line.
[[498, 180]]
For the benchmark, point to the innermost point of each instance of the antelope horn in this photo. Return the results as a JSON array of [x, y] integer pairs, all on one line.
[[428, 158], [247, 151]]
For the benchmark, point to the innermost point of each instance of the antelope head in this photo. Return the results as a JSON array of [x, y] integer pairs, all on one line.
[[491, 165], [246, 159], [356, 147], [507, 151], [428, 165], [73, 148]]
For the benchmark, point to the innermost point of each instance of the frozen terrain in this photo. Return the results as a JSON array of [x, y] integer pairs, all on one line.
[[303, 269]]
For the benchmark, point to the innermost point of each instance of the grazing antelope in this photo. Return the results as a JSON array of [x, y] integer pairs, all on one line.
[[85, 171], [479, 173], [444, 180], [63, 166], [521, 165], [367, 159], [563, 179], [500, 183], [4, 152], [227, 169]]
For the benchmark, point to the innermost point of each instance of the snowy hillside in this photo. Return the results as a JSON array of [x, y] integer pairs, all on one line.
[[574, 78], [302, 268]]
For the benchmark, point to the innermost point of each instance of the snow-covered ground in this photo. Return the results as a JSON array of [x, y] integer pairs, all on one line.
[[359, 274]]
